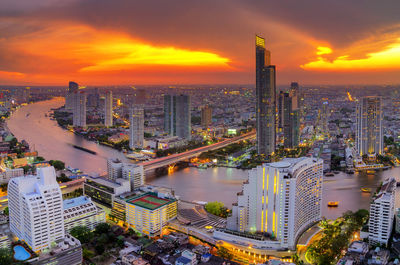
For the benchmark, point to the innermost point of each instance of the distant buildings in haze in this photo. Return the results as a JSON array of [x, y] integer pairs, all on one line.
[[108, 109], [206, 116]]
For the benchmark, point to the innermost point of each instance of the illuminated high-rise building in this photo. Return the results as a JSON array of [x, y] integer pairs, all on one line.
[[265, 99], [369, 135], [69, 98], [281, 199], [79, 109], [36, 209], [108, 110], [206, 116], [177, 119], [136, 128]]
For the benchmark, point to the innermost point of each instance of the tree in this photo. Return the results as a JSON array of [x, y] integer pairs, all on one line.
[[99, 249], [217, 208], [82, 233], [223, 252], [3, 186], [87, 254], [40, 158], [6, 211], [296, 260], [102, 228], [6, 257], [103, 239], [57, 164], [63, 178]]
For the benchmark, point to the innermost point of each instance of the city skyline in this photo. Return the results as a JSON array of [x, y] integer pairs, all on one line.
[[189, 48]]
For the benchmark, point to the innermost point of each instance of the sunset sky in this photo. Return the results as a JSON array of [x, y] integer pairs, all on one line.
[[113, 42]]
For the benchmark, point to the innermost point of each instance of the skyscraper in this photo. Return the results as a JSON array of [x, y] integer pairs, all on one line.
[[79, 109], [177, 119], [265, 99], [136, 128], [382, 213], [206, 116], [69, 98], [134, 173], [36, 209], [369, 135], [108, 110], [287, 120], [282, 199]]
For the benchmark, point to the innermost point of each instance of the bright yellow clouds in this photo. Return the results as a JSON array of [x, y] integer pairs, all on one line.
[[388, 58]]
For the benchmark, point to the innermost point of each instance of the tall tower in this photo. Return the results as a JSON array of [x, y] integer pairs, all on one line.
[[177, 119], [36, 209], [108, 110], [369, 136], [206, 116], [79, 109], [69, 98], [136, 128], [265, 99]]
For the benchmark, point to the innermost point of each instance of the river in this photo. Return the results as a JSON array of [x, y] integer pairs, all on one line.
[[222, 184]]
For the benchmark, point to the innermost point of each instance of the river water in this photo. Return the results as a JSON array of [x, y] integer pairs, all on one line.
[[222, 184]]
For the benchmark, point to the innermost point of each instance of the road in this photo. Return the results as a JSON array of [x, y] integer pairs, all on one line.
[[171, 159]]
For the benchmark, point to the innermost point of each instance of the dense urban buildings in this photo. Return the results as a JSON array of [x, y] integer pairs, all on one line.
[[132, 172], [177, 118], [136, 128], [369, 134], [382, 213], [265, 99], [282, 199], [108, 109], [79, 109], [36, 209]]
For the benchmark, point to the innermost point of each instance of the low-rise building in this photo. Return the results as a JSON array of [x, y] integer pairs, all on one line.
[[4, 241], [191, 256], [103, 191], [81, 211]]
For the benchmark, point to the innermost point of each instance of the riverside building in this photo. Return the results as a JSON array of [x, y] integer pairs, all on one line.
[[382, 213], [279, 202], [36, 208]]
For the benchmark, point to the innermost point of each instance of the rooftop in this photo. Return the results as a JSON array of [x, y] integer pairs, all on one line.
[[70, 203], [149, 201]]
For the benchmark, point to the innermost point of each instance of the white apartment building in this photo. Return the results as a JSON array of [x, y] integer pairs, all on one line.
[[12, 173], [81, 211], [36, 208], [79, 109], [281, 199], [382, 213], [369, 133], [108, 110], [134, 173], [136, 128]]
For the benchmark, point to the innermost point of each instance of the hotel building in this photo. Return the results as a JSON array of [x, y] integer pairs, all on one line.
[[36, 208], [79, 109], [136, 128], [281, 200], [369, 134], [81, 211], [382, 213]]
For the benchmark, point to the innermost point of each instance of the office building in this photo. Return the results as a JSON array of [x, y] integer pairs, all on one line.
[[136, 128], [108, 109], [79, 109], [103, 191], [81, 211], [36, 208], [4, 241], [265, 100], [382, 213], [177, 119], [148, 213], [324, 116], [132, 172], [280, 199], [369, 134], [69, 98], [289, 119], [93, 99], [206, 116]]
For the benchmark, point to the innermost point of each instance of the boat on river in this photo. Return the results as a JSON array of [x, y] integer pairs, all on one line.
[[329, 174], [366, 190], [84, 149], [333, 204]]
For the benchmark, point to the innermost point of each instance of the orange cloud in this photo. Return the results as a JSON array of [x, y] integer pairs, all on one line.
[[6, 74], [387, 58]]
